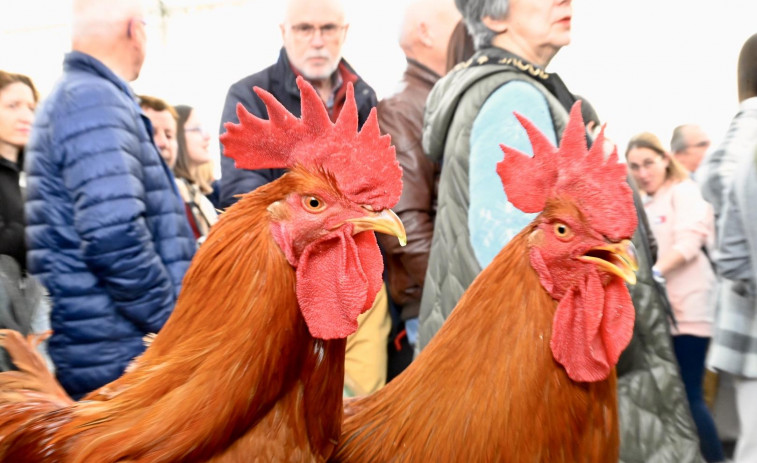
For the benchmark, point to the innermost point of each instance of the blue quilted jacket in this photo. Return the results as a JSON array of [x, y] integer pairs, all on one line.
[[107, 232]]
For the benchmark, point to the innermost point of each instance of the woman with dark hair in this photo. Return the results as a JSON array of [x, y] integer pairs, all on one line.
[[192, 158], [23, 303], [18, 99], [460, 47], [682, 221]]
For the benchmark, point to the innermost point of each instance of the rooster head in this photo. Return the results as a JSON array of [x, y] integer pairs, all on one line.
[[580, 243], [338, 190]]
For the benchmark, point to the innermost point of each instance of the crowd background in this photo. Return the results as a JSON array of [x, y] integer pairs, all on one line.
[[644, 66], [647, 65]]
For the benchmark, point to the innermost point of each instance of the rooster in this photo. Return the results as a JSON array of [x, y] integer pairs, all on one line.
[[523, 370], [250, 365]]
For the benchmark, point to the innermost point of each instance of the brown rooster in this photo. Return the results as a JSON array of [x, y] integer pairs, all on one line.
[[523, 370], [250, 365]]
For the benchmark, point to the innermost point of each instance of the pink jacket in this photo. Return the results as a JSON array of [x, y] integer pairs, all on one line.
[[682, 220]]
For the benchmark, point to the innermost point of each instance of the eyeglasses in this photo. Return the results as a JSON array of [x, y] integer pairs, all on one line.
[[305, 31], [701, 144], [646, 164], [197, 129]]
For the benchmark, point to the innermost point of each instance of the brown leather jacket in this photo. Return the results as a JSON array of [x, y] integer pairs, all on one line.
[[401, 116]]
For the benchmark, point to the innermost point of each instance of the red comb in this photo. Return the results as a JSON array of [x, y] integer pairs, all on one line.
[[597, 184], [363, 163]]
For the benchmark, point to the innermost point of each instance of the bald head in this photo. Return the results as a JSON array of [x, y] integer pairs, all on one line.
[[294, 8], [113, 32], [426, 29], [747, 71], [689, 145], [99, 18]]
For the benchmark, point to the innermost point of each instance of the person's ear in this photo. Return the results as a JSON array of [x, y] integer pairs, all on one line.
[[131, 27], [424, 35], [497, 25]]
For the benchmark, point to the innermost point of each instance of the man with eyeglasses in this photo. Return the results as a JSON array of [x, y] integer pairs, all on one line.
[[689, 144], [107, 231], [313, 32]]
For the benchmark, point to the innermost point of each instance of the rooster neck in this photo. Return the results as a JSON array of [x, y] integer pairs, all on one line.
[[490, 371], [217, 380]]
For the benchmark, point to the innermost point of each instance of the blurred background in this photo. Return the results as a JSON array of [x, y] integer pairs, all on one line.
[[644, 65]]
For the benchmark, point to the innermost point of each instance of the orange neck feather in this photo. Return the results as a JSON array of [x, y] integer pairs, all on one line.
[[486, 388], [235, 345]]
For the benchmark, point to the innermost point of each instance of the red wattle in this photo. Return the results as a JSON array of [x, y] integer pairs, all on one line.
[[338, 278], [592, 325]]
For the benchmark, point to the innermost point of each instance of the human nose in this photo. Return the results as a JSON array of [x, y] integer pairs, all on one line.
[[160, 140], [27, 114], [317, 38], [644, 171]]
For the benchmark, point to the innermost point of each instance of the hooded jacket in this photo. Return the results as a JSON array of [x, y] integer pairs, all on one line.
[[655, 422]]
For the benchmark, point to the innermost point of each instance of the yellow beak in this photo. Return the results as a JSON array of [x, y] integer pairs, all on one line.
[[616, 258], [385, 221]]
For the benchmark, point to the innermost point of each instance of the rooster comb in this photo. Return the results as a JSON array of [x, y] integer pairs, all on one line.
[[363, 163], [596, 183]]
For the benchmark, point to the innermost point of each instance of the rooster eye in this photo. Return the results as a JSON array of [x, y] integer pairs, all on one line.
[[313, 203], [562, 230]]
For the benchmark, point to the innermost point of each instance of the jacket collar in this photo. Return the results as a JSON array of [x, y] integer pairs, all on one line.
[[14, 166], [78, 61], [417, 70]]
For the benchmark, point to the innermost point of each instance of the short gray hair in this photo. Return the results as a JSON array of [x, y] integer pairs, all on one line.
[[474, 11], [678, 140]]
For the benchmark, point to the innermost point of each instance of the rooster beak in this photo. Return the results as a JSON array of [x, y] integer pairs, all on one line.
[[385, 221], [616, 258]]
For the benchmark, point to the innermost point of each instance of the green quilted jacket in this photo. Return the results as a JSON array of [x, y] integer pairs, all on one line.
[[655, 422]]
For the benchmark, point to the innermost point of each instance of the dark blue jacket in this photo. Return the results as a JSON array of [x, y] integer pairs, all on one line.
[[107, 232], [280, 80]]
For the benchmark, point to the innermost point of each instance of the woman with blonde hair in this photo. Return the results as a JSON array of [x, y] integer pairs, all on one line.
[[208, 183], [683, 223], [192, 162]]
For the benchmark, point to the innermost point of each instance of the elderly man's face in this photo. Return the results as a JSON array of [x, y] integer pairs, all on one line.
[[313, 32]]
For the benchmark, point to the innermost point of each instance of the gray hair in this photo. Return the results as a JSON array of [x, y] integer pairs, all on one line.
[[474, 11], [678, 141]]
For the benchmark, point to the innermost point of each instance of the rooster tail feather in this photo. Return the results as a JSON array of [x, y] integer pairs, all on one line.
[[33, 376]]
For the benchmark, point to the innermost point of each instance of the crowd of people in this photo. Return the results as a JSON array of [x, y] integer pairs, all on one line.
[[106, 195]]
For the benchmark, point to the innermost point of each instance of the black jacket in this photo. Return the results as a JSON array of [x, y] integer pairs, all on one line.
[[280, 80], [11, 212]]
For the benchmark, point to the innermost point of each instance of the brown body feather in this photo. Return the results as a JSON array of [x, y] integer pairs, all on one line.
[[486, 388], [233, 376]]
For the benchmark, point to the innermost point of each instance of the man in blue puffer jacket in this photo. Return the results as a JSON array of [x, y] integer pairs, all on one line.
[[107, 232]]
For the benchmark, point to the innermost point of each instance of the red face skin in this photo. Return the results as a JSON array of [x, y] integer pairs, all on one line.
[[338, 266], [594, 318]]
